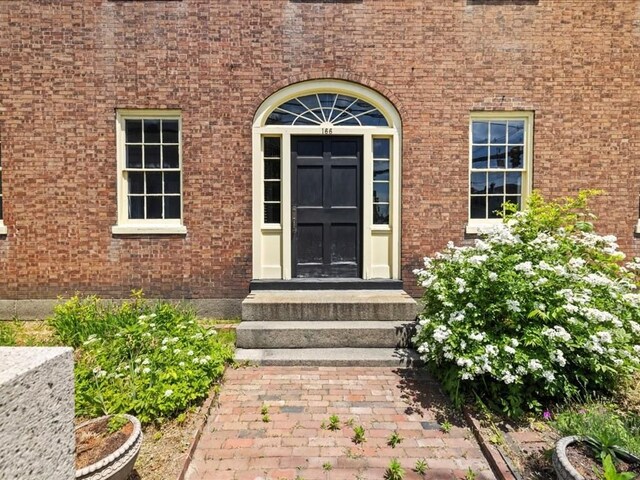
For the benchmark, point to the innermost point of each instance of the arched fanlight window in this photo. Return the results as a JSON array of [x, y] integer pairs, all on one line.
[[332, 108]]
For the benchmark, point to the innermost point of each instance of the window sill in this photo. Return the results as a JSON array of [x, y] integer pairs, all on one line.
[[3, 229], [638, 227], [473, 228], [141, 229]]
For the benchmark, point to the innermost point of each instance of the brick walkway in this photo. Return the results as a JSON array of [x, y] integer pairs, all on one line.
[[237, 444]]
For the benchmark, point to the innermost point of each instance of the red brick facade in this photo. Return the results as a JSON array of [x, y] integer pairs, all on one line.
[[68, 65]]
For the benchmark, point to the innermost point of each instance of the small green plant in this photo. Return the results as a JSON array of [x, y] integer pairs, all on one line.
[[334, 423], [358, 435], [116, 423], [7, 334], [394, 439], [265, 413], [298, 475], [349, 423], [470, 475], [323, 425], [446, 426], [349, 453], [421, 466], [394, 470], [181, 418], [610, 472], [327, 466]]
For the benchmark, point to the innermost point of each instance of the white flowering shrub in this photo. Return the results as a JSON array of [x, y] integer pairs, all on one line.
[[153, 361], [538, 309]]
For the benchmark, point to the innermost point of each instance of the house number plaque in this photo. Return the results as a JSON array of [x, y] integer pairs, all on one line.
[[326, 131]]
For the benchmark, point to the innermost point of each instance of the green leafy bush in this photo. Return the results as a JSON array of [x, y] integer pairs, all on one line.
[[537, 309], [150, 360]]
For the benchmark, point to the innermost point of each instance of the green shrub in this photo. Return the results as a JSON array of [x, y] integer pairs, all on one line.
[[150, 360], [538, 309]]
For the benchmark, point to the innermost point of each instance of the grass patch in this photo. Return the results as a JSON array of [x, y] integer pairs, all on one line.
[[27, 334]]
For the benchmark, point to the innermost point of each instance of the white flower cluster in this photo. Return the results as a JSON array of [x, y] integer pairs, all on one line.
[[557, 332], [499, 234], [544, 241], [441, 333], [526, 268], [513, 305], [557, 356]]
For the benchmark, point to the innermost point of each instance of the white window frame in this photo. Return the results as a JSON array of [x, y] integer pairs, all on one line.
[[475, 224], [129, 226]]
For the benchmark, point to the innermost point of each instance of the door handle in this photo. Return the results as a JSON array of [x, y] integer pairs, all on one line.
[[294, 219]]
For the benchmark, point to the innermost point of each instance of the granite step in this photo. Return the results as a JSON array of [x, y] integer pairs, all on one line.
[[337, 357], [324, 334], [329, 305]]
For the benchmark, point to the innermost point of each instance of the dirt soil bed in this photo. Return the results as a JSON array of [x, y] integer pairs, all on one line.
[[583, 460], [525, 447], [94, 442], [165, 448]]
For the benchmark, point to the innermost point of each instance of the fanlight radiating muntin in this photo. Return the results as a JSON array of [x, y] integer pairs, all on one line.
[[327, 108]]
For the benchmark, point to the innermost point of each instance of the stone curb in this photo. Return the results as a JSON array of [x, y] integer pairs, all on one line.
[[498, 465]]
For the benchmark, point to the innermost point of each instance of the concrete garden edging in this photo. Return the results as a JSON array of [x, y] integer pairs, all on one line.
[[561, 464]]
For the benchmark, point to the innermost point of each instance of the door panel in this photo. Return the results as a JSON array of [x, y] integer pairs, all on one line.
[[326, 206], [342, 180]]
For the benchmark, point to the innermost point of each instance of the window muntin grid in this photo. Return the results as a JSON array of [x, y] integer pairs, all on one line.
[[272, 162], [152, 168], [381, 180], [498, 165], [327, 108]]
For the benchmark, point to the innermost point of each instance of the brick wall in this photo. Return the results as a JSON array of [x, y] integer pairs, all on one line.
[[66, 66]]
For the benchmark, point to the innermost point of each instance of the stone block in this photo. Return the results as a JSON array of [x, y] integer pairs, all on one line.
[[36, 413]]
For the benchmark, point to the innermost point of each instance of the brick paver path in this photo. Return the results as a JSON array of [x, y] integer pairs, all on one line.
[[237, 444]]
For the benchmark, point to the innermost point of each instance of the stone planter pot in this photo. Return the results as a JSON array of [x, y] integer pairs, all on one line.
[[119, 464], [561, 465]]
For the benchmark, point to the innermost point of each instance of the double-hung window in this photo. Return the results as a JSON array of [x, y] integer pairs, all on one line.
[[500, 151], [149, 172]]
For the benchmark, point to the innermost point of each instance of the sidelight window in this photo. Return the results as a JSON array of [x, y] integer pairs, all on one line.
[[272, 179], [381, 185]]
